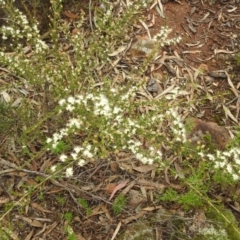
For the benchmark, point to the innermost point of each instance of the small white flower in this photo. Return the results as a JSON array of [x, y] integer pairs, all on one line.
[[69, 172], [211, 157], [87, 152], [201, 154], [63, 157], [237, 161], [70, 108], [56, 137], [77, 149], [74, 156], [116, 110], [49, 140], [81, 162], [54, 145], [159, 154], [89, 96], [227, 154], [62, 102], [229, 168], [71, 99], [63, 132], [222, 164], [150, 161], [53, 168], [74, 122], [235, 177]]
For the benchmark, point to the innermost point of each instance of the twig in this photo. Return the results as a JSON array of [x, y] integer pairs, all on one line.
[[90, 14]]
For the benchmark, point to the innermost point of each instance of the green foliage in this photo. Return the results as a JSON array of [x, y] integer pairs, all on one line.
[[194, 176], [235, 142], [223, 179], [68, 217], [5, 232], [6, 118], [61, 200], [224, 219], [170, 196], [85, 205], [238, 59], [72, 236], [68, 229], [118, 204]]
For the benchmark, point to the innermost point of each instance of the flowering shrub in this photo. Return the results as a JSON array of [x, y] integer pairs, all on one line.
[[117, 127], [103, 116]]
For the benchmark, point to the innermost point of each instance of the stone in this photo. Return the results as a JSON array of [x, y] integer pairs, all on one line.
[[198, 129]]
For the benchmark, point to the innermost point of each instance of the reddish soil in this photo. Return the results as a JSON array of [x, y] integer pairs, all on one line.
[[209, 32]]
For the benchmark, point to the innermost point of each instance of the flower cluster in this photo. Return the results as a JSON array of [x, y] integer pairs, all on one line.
[[177, 126], [228, 161], [152, 156], [111, 125], [162, 36]]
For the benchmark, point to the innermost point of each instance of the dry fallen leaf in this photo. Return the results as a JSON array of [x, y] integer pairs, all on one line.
[[118, 187], [38, 207], [70, 14], [144, 168], [29, 236], [30, 221], [110, 187], [119, 50], [229, 114]]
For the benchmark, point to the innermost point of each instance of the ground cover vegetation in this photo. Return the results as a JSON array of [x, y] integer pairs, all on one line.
[[70, 103]]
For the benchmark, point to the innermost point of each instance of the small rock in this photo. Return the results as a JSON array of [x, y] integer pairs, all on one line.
[[154, 87], [218, 74], [142, 48], [198, 129]]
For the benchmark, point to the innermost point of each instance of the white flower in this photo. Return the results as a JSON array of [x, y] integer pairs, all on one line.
[[150, 161], [159, 154], [229, 168], [103, 100], [49, 140], [87, 152], [211, 157], [71, 99], [63, 132], [69, 172], [201, 154], [116, 110], [227, 154], [81, 162], [54, 145], [63, 157], [89, 96], [235, 177], [74, 122], [77, 149], [70, 108], [56, 137], [53, 168], [237, 161], [74, 156], [222, 164], [62, 102]]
